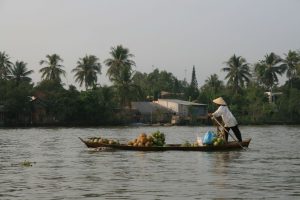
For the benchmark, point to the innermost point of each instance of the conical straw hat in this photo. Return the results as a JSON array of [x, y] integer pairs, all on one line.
[[219, 101]]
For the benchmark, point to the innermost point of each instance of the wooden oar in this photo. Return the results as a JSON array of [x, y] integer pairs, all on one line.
[[212, 117]]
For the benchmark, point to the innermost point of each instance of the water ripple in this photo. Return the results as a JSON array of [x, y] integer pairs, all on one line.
[[66, 169]]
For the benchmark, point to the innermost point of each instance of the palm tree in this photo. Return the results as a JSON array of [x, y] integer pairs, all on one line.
[[298, 65], [120, 57], [86, 70], [238, 72], [20, 73], [291, 61], [268, 69], [121, 74], [5, 65], [211, 88], [53, 69], [213, 83], [125, 86]]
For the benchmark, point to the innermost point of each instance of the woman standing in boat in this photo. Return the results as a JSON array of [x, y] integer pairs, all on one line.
[[227, 117]]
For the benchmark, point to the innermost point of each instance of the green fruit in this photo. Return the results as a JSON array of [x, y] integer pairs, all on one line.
[[220, 140], [158, 138]]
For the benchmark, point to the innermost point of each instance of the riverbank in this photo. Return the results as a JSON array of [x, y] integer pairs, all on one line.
[[87, 125]]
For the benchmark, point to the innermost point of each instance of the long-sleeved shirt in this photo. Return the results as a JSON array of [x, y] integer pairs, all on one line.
[[228, 118]]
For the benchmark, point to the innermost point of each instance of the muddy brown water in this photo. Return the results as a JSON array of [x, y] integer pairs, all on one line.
[[63, 168]]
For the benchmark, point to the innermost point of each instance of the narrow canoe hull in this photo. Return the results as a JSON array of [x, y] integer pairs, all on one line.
[[171, 147]]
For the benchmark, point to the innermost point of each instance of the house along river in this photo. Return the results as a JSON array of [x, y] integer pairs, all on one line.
[[63, 168]]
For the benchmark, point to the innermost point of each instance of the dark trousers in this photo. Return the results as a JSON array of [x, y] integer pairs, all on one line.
[[236, 131]]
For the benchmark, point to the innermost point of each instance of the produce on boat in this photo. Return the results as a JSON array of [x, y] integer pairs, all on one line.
[[156, 142], [101, 140], [143, 140]]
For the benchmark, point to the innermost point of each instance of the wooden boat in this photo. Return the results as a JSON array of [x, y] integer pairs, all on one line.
[[170, 147]]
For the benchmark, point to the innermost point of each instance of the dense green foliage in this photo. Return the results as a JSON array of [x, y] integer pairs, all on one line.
[[49, 102], [160, 84]]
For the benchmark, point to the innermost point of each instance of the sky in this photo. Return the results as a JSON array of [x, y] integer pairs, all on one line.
[[171, 35]]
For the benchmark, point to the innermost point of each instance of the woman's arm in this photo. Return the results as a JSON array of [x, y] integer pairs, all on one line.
[[218, 112]]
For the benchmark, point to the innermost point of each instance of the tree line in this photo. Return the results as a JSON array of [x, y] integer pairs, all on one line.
[[251, 90]]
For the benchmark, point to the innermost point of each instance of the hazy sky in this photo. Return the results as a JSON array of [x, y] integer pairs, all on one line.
[[171, 35]]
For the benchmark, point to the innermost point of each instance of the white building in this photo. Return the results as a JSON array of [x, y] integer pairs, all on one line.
[[184, 108]]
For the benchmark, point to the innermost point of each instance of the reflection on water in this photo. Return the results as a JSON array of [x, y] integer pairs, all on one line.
[[66, 169]]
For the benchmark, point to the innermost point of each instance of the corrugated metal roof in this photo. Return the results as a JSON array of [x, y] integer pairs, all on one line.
[[187, 103]]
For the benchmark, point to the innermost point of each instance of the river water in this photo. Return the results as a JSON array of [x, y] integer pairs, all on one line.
[[63, 168]]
